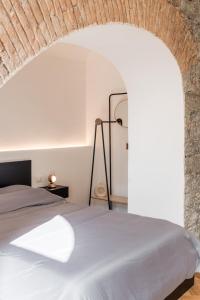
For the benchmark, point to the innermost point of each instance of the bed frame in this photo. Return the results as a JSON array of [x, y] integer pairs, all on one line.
[[181, 289], [19, 172], [15, 172]]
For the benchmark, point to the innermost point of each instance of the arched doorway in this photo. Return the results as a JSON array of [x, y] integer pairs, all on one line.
[[156, 116]]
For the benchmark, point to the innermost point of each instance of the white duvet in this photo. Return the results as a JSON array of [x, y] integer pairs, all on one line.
[[63, 252]]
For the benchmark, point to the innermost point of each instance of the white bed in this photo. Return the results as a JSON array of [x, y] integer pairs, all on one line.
[[53, 250]]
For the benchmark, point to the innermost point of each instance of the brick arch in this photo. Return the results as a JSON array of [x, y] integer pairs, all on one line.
[[28, 26]]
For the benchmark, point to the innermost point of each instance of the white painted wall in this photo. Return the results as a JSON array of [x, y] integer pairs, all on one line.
[[102, 80], [51, 105], [156, 116], [44, 104], [69, 164]]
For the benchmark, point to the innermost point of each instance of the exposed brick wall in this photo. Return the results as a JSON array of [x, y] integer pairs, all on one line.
[[28, 26]]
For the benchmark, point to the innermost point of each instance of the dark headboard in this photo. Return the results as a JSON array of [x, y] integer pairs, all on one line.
[[16, 172]]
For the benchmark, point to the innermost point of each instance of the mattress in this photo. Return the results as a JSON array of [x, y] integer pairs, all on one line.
[[60, 251]]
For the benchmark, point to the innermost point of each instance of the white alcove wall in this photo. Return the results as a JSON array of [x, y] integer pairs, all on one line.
[[156, 116], [102, 80], [44, 117]]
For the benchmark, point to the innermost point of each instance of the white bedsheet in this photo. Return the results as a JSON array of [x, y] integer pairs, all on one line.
[[115, 257]]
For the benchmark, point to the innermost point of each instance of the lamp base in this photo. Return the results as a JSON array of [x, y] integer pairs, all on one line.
[[51, 185]]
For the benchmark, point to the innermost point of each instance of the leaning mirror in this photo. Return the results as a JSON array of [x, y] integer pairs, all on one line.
[[121, 113]]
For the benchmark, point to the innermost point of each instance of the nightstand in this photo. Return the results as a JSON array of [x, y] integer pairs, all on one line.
[[59, 190]]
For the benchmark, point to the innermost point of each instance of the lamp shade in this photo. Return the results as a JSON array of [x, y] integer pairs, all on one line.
[[52, 181]]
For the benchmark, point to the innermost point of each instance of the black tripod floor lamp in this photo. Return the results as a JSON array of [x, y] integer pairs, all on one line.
[[100, 123]]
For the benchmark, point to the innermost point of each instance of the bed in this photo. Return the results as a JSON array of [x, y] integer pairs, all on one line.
[[53, 250]]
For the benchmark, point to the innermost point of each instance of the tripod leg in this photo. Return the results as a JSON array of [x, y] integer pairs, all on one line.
[[93, 157], [105, 165]]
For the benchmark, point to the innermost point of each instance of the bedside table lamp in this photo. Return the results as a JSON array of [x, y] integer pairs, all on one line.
[[52, 181]]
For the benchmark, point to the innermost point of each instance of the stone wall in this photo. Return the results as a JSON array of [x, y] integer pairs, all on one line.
[[191, 10], [28, 26]]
